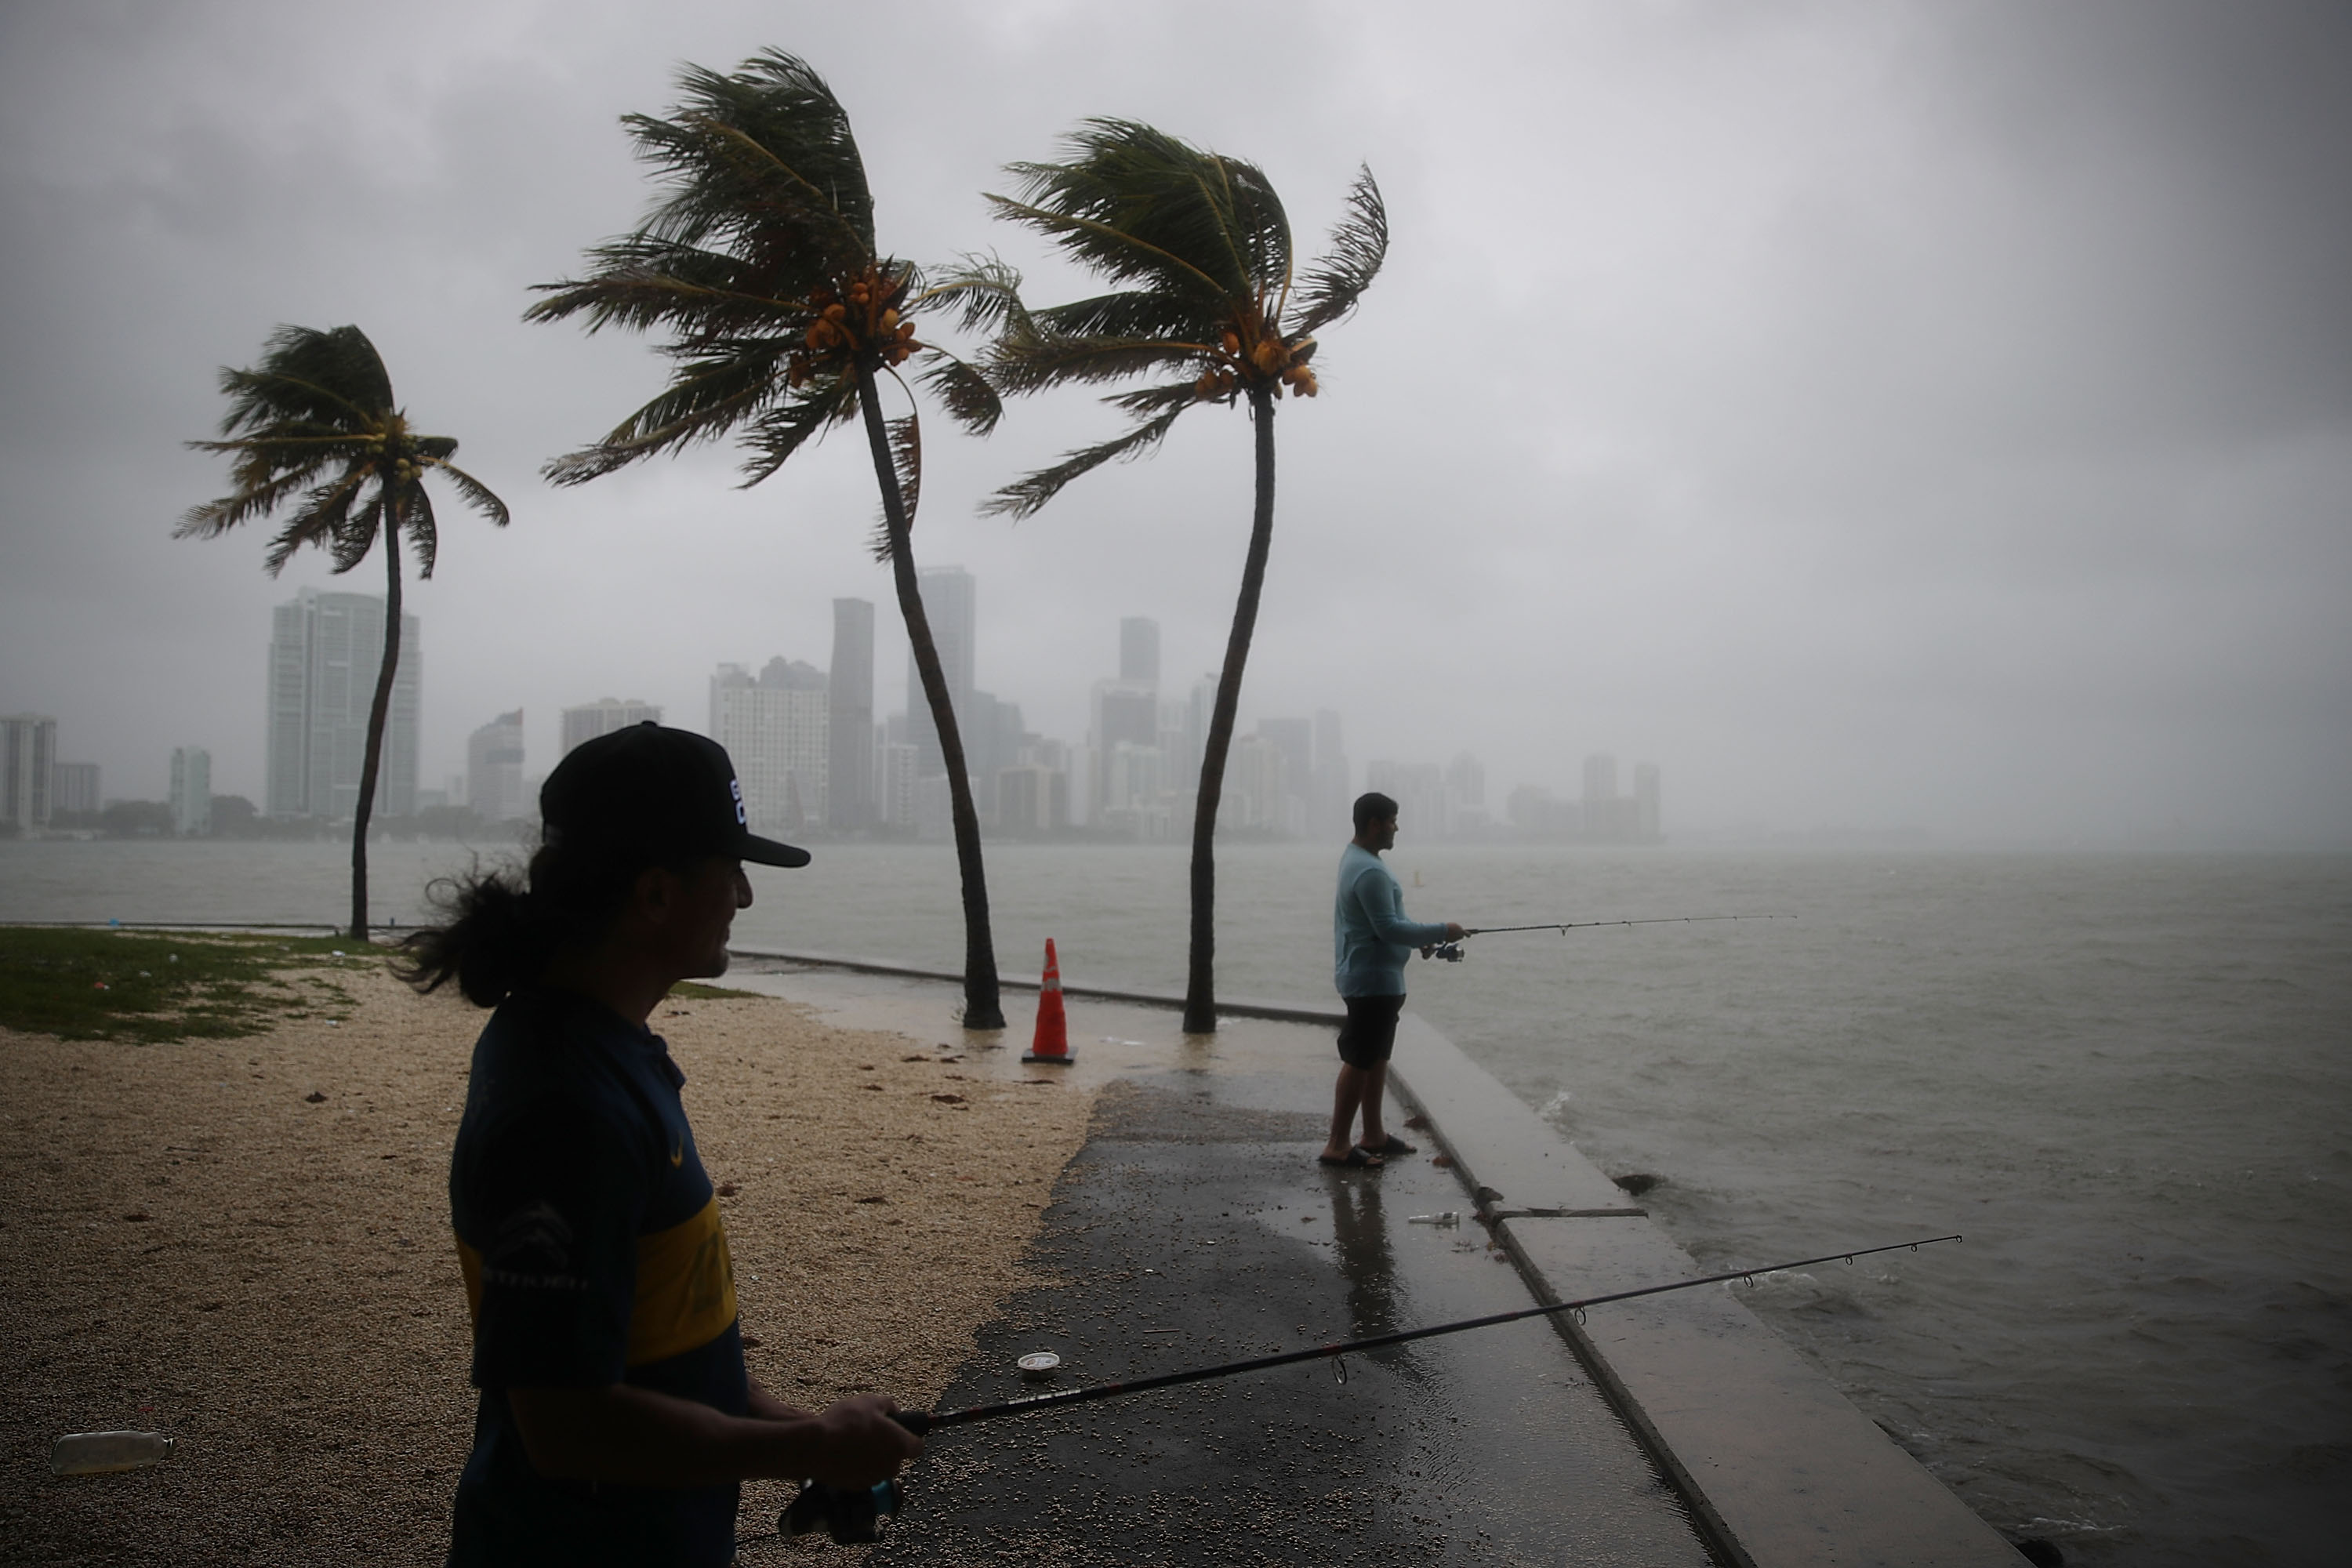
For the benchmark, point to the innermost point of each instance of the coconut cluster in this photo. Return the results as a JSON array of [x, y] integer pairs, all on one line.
[[1251, 354], [862, 317]]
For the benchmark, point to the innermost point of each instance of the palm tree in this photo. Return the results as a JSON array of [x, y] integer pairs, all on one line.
[[758, 260], [1199, 249], [314, 428]]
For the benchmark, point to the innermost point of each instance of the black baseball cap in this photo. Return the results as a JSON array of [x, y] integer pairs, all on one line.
[[662, 791]]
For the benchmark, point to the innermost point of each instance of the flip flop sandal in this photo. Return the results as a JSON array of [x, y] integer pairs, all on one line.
[[1393, 1145], [1355, 1159]]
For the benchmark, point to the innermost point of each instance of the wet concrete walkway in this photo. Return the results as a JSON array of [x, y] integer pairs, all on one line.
[[1195, 1227]]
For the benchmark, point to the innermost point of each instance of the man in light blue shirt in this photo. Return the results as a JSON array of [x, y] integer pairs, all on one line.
[[1371, 942]]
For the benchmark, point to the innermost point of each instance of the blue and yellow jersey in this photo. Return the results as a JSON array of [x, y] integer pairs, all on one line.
[[593, 1254]]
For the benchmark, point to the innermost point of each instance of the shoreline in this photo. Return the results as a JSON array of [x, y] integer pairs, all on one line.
[[201, 1249]]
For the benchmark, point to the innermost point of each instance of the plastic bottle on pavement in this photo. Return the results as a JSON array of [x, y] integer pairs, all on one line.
[[1448, 1220], [97, 1453]]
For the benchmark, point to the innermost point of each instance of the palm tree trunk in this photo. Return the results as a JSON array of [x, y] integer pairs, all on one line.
[[1201, 980], [982, 1008], [376, 712]]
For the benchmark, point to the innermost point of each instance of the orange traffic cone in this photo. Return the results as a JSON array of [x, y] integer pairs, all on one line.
[[1052, 1042]]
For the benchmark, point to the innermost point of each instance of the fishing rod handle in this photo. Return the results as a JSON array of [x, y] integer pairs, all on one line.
[[918, 1422]]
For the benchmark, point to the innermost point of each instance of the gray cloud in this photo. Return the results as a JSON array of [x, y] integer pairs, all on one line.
[[1901, 413]]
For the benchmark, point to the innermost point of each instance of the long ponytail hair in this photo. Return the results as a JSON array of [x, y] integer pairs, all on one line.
[[503, 929]]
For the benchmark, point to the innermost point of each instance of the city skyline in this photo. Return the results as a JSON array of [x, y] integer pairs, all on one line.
[[1130, 774]]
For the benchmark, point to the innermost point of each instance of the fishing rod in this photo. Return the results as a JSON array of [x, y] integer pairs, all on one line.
[[1451, 951], [820, 1506]]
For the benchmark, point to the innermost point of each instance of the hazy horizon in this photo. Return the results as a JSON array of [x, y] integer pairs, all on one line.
[[1908, 417]]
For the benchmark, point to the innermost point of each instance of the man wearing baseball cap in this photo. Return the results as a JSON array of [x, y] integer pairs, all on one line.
[[616, 1416]]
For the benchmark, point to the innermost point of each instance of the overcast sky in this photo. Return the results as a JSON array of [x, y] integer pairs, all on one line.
[[1874, 414]]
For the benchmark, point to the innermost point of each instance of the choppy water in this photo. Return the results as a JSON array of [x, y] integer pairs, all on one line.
[[2127, 1080]]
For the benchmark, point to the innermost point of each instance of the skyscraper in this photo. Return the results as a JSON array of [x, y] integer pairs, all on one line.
[[494, 770], [950, 603], [1295, 739], [192, 791], [1139, 651], [1646, 801], [1328, 813], [325, 650], [777, 730], [29, 754], [75, 788], [852, 793], [603, 717]]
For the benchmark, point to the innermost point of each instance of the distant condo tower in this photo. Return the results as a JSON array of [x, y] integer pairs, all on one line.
[[192, 791], [28, 753], [950, 602], [603, 717], [325, 650], [851, 792], [494, 771], [776, 729]]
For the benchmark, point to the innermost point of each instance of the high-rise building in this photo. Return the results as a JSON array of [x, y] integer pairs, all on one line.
[[603, 717], [1424, 812], [1295, 739], [28, 756], [778, 728], [1646, 801], [1331, 800], [898, 775], [74, 788], [494, 787], [1600, 782], [1122, 715], [1255, 788], [325, 651], [1139, 651], [192, 791], [852, 792], [1466, 776], [950, 605]]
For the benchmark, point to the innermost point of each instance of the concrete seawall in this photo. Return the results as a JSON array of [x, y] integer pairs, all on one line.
[[1777, 1469]]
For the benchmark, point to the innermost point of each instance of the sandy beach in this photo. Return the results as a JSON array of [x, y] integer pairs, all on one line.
[[245, 1244]]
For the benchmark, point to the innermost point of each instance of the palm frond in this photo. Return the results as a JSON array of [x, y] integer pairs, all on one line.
[[1035, 363], [767, 142], [214, 518], [332, 380], [906, 463], [1125, 257], [325, 513], [702, 403], [1024, 497], [984, 291], [1132, 202], [963, 391], [1359, 242], [476, 493], [1129, 313], [416, 520], [781, 431]]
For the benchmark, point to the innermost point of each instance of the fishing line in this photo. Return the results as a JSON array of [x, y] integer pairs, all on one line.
[[855, 1515], [922, 1422], [1451, 951]]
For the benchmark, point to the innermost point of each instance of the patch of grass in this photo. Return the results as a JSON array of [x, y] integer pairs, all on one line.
[[147, 986], [694, 988]]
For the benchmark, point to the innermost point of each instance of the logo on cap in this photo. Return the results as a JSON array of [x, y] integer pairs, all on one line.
[[735, 788]]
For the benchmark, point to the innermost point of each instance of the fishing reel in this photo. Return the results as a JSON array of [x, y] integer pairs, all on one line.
[[853, 1516], [1450, 952]]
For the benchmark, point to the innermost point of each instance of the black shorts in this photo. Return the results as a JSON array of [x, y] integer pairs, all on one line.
[[1369, 1034]]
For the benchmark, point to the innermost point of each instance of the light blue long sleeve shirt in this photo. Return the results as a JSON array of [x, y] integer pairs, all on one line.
[[1371, 939]]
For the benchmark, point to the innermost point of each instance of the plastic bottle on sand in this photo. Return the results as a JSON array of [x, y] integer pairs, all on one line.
[[97, 1453]]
